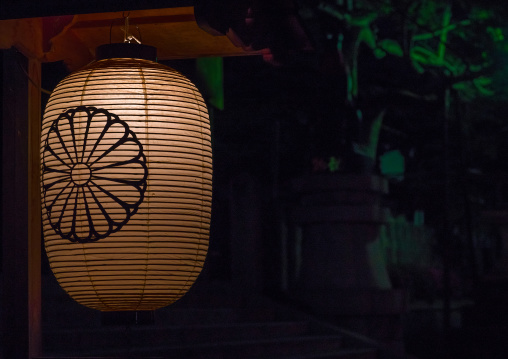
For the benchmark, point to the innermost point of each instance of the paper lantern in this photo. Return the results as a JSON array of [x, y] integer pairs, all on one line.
[[126, 183]]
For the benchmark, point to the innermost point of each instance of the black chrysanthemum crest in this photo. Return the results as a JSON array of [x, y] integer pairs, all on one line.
[[94, 174]]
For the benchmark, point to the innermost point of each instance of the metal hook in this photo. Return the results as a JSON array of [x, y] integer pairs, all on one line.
[[127, 36], [126, 30]]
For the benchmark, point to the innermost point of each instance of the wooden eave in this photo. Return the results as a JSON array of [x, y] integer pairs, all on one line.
[[73, 38]]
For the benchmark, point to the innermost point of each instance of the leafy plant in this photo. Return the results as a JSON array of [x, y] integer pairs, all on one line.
[[460, 43]]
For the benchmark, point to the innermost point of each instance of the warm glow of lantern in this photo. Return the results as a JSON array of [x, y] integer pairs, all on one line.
[[126, 184]]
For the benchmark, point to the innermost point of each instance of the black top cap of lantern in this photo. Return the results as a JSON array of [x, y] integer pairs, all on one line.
[[126, 50]]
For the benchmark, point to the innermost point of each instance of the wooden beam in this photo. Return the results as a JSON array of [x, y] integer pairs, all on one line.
[[74, 38], [21, 225], [37, 8], [34, 209], [173, 31], [25, 35]]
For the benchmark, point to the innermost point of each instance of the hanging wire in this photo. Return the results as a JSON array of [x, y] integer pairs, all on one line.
[[111, 29], [127, 36], [126, 30], [139, 34]]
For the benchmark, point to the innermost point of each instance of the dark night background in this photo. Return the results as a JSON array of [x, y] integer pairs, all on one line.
[[290, 115]]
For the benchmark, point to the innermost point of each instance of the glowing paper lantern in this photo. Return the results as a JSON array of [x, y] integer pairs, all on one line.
[[126, 183]]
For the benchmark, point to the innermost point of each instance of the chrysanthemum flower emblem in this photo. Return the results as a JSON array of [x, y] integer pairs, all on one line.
[[94, 174]]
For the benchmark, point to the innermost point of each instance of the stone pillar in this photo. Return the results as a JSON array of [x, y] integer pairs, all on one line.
[[340, 216], [343, 275]]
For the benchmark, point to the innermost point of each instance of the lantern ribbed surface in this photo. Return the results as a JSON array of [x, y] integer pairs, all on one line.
[[126, 184]]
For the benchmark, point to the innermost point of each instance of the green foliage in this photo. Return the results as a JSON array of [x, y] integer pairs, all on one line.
[[424, 46], [210, 76], [426, 13], [392, 164], [496, 33], [391, 47], [465, 42], [333, 164], [480, 14]]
